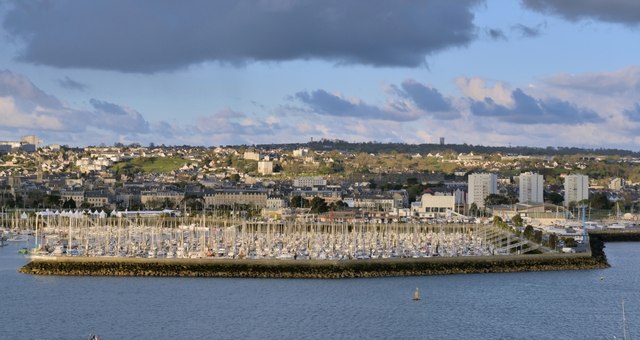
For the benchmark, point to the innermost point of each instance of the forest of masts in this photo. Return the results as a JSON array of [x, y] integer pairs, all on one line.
[[211, 237]]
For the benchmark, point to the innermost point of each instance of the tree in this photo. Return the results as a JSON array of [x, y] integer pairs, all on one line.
[[495, 199], [53, 201], [337, 205], [69, 204], [372, 184], [537, 236], [528, 232], [553, 241], [473, 209], [570, 242], [554, 198], [600, 200], [517, 220], [319, 205], [298, 202], [235, 178]]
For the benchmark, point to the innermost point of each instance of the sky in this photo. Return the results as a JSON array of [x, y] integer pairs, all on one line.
[[484, 72]]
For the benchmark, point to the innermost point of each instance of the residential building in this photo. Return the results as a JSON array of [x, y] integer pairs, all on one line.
[[309, 182], [252, 155], [576, 188], [438, 205], [231, 197], [75, 195], [531, 188], [164, 198], [265, 167], [616, 184], [481, 186]]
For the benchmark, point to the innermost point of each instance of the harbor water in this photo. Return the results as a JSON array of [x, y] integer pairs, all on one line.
[[539, 305]]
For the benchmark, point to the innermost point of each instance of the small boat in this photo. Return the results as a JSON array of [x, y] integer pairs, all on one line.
[[23, 251], [416, 295]]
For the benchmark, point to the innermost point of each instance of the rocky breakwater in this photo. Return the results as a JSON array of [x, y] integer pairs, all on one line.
[[71, 266]]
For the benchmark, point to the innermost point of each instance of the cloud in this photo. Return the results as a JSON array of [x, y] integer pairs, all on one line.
[[495, 34], [117, 118], [633, 113], [25, 93], [136, 36], [409, 101], [325, 103], [71, 84], [478, 89], [26, 107], [530, 110], [606, 83], [625, 12], [426, 98], [529, 31]]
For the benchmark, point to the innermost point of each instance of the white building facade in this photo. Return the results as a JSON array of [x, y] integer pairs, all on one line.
[[531, 188], [434, 206], [481, 186], [576, 188]]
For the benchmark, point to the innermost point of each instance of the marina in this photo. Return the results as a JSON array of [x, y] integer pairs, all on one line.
[[93, 235]]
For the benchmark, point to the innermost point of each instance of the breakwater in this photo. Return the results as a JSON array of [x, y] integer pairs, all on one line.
[[308, 269], [616, 235]]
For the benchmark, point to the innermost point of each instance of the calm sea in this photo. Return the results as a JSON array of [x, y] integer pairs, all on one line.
[[546, 305]]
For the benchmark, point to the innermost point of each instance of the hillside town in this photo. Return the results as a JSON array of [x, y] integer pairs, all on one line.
[[303, 181]]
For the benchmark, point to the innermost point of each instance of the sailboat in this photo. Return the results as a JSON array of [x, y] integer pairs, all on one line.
[[416, 295]]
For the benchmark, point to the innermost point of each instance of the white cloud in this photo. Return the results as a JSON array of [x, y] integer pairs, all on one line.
[[478, 89]]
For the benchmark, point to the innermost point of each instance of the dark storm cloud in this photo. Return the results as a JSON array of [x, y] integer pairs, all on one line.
[[530, 110], [618, 11], [71, 84], [143, 36]]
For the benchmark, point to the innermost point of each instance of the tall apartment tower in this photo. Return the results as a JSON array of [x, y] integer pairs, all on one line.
[[531, 188], [481, 186], [576, 188]]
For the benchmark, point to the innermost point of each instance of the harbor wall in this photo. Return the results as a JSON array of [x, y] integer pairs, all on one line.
[[78, 266]]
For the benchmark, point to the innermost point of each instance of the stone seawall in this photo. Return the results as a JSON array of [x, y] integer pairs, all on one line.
[[306, 268]]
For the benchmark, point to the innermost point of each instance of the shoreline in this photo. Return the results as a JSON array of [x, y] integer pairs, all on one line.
[[327, 269]]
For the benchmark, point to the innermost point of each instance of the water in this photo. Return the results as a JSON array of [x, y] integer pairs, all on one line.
[[545, 305]]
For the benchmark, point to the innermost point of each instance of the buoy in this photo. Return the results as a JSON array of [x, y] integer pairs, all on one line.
[[416, 295]]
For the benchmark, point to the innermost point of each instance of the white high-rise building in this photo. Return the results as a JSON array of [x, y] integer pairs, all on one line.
[[576, 188], [531, 188], [481, 186]]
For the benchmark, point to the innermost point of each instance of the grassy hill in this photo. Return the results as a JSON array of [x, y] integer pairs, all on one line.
[[150, 164]]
